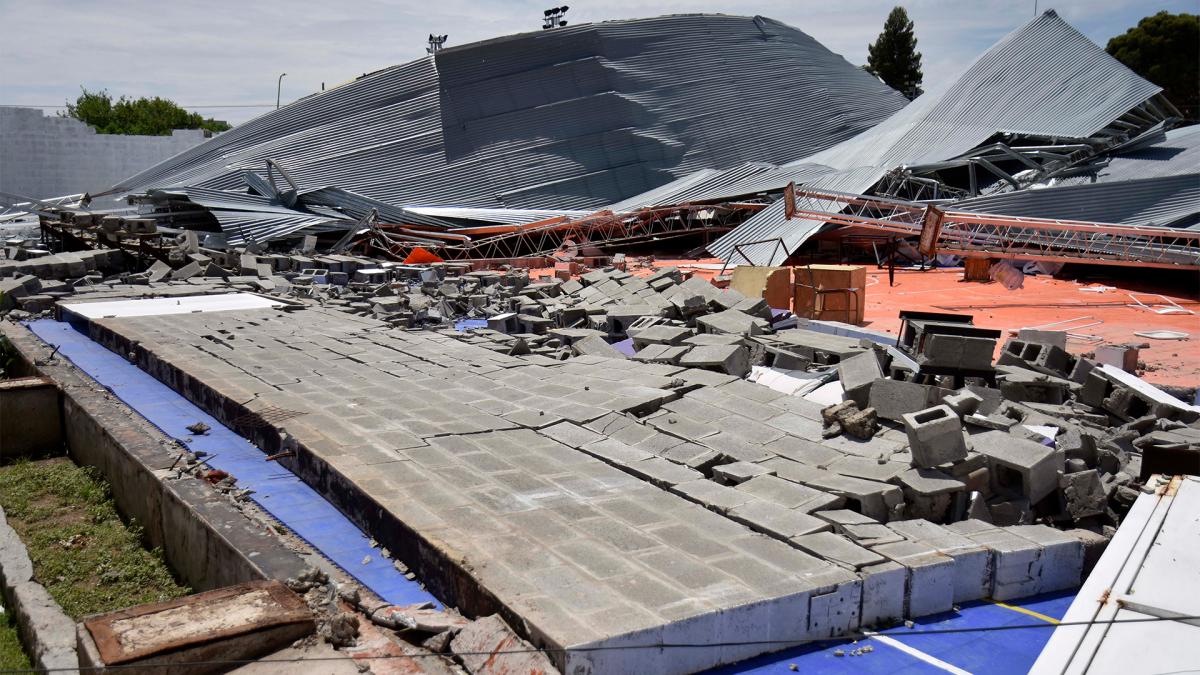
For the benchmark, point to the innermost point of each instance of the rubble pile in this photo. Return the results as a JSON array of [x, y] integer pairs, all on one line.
[[917, 472]]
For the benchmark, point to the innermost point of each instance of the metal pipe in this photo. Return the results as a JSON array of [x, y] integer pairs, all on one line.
[[278, 88]]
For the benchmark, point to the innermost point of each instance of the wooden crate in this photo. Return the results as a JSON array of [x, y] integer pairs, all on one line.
[[976, 269], [830, 292]]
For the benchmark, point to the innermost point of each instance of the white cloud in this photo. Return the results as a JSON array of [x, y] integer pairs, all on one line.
[[226, 52]]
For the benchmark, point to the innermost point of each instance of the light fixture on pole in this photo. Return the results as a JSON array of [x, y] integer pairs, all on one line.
[[435, 43], [555, 17], [278, 88]]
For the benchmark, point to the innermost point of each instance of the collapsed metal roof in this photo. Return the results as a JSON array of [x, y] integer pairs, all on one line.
[[1163, 201], [1044, 80], [571, 118]]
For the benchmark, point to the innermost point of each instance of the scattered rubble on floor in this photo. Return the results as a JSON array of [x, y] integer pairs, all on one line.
[[910, 474]]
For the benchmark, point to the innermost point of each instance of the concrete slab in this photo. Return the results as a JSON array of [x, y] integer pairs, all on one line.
[[553, 524]]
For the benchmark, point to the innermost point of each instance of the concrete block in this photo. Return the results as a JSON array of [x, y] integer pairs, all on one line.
[[187, 271], [930, 577], [963, 402], [1084, 493], [1061, 559], [1118, 356], [883, 590], [775, 520], [1018, 466], [735, 473], [857, 374], [892, 399], [957, 351], [1057, 338], [595, 345], [835, 611], [663, 335], [730, 359], [972, 561], [929, 493], [732, 322], [837, 549], [880, 501], [713, 496], [159, 271], [1016, 561], [935, 436], [788, 494]]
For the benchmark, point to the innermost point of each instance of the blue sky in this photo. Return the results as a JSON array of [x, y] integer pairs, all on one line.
[[220, 52]]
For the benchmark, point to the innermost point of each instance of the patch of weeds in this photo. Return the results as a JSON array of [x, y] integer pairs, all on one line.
[[86, 557], [12, 657], [10, 358]]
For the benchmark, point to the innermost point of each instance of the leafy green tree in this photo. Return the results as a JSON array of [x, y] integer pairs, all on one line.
[[142, 116], [894, 57], [1165, 49]]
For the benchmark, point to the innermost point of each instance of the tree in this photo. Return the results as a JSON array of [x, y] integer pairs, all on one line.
[[143, 116], [1165, 49], [894, 57]]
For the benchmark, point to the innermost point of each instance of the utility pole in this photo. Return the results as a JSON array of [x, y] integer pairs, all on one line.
[[278, 88]]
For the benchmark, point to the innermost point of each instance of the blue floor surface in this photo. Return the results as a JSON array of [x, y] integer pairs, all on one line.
[[278, 491], [990, 652]]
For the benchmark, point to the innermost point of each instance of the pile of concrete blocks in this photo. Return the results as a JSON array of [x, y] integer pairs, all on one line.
[[1059, 440]]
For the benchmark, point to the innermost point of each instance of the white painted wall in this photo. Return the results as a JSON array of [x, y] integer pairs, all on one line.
[[48, 156]]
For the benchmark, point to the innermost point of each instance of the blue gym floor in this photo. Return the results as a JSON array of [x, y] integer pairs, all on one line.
[[989, 652]]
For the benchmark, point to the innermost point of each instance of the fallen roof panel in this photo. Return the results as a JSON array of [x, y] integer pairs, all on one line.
[[573, 118], [1044, 79], [1163, 201]]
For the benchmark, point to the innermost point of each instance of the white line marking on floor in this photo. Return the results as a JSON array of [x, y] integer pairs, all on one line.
[[916, 653]]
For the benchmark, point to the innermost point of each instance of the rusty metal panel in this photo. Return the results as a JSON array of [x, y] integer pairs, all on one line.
[[931, 229], [160, 628]]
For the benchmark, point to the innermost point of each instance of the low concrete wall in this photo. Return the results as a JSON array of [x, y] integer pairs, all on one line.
[[46, 631], [30, 424], [208, 542]]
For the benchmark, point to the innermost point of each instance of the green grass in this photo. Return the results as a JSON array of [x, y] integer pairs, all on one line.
[[12, 657], [86, 557]]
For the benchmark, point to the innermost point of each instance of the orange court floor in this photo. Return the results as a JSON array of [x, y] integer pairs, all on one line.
[[1107, 314]]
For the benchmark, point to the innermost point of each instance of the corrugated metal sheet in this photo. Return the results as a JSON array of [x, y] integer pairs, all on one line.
[[746, 180], [1044, 79], [573, 118], [498, 216], [770, 224], [1163, 201], [241, 227], [1177, 152]]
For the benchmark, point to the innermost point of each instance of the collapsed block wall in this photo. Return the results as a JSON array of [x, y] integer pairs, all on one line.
[[529, 487]]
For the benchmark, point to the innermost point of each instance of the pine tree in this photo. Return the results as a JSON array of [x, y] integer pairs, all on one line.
[[894, 57], [1165, 49]]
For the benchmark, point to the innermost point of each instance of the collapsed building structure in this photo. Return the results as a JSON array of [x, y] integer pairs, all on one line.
[[1035, 127], [637, 470]]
